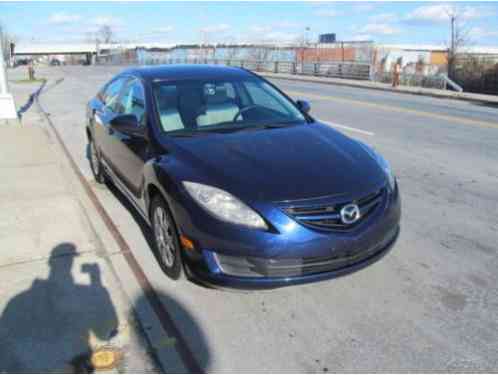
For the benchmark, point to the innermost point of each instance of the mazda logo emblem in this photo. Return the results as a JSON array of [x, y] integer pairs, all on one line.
[[350, 213]]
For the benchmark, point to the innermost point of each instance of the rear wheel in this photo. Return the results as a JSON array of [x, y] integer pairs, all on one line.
[[96, 164], [166, 242]]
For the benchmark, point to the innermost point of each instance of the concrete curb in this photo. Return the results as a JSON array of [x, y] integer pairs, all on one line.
[[182, 360], [470, 97]]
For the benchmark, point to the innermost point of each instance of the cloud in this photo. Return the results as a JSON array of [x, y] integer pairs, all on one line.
[[382, 18], [440, 13], [281, 37], [278, 32], [275, 26], [361, 37], [285, 24], [93, 25], [63, 18], [106, 20], [379, 29], [364, 7], [261, 28], [326, 12], [219, 28], [478, 33], [163, 29]]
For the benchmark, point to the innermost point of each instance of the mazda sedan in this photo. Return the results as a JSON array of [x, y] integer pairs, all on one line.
[[240, 185]]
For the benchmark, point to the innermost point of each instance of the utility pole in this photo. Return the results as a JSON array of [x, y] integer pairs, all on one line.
[[453, 18], [7, 106], [452, 52]]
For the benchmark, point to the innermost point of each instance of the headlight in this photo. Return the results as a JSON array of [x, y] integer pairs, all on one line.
[[384, 164], [224, 206]]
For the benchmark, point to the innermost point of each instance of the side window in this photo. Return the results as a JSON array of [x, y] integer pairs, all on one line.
[[111, 93], [133, 101]]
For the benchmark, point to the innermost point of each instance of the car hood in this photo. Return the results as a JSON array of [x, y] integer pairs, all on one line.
[[295, 162]]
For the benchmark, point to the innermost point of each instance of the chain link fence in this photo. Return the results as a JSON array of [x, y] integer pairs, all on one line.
[[348, 70], [333, 69]]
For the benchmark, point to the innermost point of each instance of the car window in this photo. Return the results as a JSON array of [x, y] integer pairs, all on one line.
[[132, 101], [111, 93]]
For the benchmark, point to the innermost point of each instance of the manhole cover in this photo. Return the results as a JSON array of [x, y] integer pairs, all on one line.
[[105, 358]]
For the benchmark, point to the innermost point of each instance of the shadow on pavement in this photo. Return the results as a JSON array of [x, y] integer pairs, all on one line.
[[24, 108], [50, 323], [58, 323]]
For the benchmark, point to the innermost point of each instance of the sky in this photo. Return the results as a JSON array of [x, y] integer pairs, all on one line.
[[250, 22]]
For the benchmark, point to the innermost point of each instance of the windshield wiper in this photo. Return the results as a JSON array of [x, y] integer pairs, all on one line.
[[230, 129], [274, 126], [186, 134]]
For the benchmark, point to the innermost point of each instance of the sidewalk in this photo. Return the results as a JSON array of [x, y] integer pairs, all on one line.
[[480, 98], [60, 300]]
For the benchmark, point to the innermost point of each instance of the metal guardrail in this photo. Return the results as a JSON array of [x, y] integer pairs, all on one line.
[[348, 70]]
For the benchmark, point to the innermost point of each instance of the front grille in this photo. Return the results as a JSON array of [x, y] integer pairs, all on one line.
[[328, 217]]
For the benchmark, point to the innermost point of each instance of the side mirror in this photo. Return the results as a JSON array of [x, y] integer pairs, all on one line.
[[304, 106], [127, 124]]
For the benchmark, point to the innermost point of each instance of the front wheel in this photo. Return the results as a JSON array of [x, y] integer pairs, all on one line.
[[166, 241], [96, 164]]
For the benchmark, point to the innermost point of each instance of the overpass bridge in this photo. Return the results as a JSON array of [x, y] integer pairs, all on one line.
[[90, 50]]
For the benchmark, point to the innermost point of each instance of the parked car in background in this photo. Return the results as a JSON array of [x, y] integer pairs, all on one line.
[[21, 62], [55, 62], [240, 185]]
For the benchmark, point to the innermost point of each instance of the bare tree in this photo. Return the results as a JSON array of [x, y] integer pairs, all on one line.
[[458, 38], [105, 34]]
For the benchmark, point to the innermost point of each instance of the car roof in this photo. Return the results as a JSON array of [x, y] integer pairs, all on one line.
[[186, 71]]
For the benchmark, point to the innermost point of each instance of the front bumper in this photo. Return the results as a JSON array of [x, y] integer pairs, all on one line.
[[292, 254], [223, 280]]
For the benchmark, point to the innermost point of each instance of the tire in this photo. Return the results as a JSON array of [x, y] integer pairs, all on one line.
[[165, 238], [96, 164]]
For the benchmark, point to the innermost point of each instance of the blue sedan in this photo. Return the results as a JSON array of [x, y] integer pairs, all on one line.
[[240, 185]]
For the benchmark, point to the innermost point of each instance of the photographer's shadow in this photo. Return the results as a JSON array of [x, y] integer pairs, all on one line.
[[56, 324], [47, 328]]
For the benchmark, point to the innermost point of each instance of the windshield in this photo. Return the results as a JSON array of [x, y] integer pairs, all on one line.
[[192, 106]]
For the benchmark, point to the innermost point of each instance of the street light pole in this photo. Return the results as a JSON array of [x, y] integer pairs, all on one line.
[[452, 33], [7, 106]]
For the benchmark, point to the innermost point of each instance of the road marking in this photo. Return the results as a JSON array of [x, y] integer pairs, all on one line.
[[453, 119], [333, 124]]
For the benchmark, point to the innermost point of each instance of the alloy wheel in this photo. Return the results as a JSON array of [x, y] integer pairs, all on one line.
[[163, 232]]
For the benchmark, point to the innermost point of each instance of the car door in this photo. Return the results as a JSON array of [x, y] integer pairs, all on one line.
[[103, 116], [130, 150]]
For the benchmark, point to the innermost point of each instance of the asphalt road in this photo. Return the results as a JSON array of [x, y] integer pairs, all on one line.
[[429, 305]]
